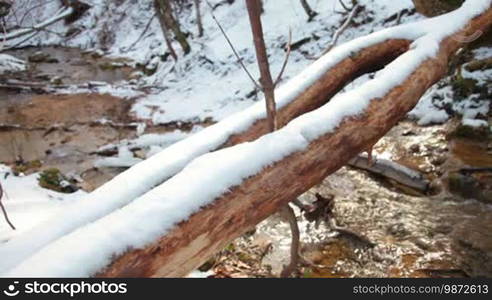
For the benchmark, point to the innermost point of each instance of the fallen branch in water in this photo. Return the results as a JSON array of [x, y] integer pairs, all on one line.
[[392, 170]]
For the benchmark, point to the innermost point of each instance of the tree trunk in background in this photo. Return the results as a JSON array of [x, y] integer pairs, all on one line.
[[198, 17], [79, 8], [5, 6], [432, 8], [266, 81], [310, 13], [165, 33], [166, 17]]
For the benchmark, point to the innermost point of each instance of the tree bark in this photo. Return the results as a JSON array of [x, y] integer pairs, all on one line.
[[192, 241], [5, 6], [199, 22], [165, 32], [266, 81], [164, 11], [79, 8]]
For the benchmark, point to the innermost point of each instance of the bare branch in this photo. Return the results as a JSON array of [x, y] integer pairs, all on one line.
[[4, 210], [345, 25], [282, 70], [239, 59], [143, 32], [62, 14]]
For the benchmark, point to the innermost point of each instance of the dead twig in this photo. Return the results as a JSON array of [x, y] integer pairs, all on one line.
[[239, 59], [4, 211], [344, 5], [286, 61], [344, 26], [143, 32]]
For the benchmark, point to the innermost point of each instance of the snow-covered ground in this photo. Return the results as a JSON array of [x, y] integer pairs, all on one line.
[[28, 204], [208, 83], [431, 108]]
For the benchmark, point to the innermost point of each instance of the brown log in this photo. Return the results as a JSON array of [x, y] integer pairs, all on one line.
[[192, 241], [317, 94]]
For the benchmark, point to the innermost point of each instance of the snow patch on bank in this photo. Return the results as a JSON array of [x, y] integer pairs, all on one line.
[[28, 204], [9, 63]]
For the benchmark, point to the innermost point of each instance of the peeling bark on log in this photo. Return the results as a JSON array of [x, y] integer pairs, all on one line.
[[191, 242]]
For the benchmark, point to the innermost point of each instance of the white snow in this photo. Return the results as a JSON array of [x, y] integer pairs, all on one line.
[[151, 144], [162, 166], [28, 204], [9, 63], [475, 123], [125, 159], [211, 175]]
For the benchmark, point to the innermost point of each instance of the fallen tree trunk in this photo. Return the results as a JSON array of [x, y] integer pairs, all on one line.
[[190, 243], [308, 159], [172, 160]]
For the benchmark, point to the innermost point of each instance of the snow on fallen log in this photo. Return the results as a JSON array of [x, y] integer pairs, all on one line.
[[178, 224], [307, 91]]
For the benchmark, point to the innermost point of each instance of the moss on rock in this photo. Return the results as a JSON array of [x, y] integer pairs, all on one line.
[[53, 179]]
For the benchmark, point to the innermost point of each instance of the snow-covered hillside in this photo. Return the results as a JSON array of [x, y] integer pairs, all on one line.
[[208, 83]]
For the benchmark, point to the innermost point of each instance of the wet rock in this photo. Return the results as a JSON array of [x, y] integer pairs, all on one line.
[[57, 80], [46, 77], [423, 243], [408, 132], [42, 57], [415, 148], [398, 230], [472, 244], [438, 161], [469, 186], [53, 179]]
